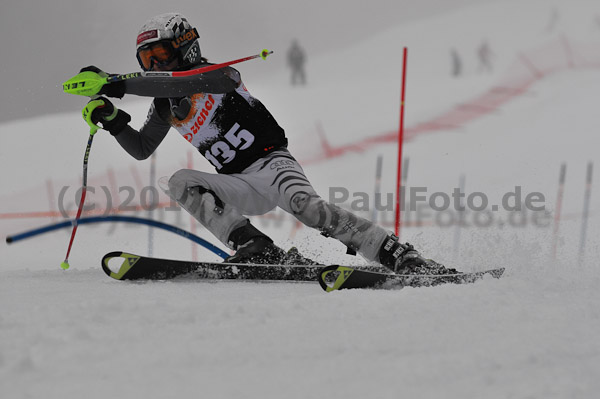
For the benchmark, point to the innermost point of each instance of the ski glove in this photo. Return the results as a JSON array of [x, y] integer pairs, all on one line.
[[101, 110], [114, 90]]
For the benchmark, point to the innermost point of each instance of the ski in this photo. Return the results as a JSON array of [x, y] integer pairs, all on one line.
[[136, 267], [332, 278]]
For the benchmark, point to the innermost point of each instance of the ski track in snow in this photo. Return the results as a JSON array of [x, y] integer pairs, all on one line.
[[78, 334], [531, 334]]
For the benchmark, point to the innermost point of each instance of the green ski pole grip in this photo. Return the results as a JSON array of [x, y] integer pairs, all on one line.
[[86, 83]]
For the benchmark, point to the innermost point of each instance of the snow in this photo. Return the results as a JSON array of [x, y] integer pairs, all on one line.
[[78, 334], [531, 334]]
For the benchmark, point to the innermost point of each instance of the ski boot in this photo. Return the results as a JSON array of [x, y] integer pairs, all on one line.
[[404, 259], [400, 258], [252, 246]]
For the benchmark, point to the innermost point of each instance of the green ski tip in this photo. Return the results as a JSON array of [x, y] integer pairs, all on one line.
[[64, 265]]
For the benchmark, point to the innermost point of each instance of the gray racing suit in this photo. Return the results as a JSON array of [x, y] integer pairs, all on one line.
[[256, 173]]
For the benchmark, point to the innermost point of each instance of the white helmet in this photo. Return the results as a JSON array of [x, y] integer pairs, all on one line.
[[176, 37]]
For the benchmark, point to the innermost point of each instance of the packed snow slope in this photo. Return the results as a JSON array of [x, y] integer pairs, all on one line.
[[532, 334]]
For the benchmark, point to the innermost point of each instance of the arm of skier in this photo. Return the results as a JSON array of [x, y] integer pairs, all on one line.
[[142, 144], [139, 145], [218, 81]]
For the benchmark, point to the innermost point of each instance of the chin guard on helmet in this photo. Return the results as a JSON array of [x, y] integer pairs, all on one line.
[[192, 55]]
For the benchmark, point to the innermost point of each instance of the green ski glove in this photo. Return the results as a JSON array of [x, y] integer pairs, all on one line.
[[102, 110]]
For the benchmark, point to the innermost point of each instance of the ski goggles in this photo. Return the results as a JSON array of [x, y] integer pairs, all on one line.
[[161, 53]]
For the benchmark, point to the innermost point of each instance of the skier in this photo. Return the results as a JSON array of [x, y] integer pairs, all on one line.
[[484, 52], [296, 59], [456, 63], [237, 134]]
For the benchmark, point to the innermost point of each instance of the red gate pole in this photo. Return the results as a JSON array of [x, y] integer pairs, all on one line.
[[400, 141]]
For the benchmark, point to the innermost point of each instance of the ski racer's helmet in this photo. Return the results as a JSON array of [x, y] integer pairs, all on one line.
[[166, 37]]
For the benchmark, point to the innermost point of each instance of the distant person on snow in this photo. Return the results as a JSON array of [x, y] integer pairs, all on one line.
[[236, 133], [296, 58], [554, 16], [484, 53], [456, 63]]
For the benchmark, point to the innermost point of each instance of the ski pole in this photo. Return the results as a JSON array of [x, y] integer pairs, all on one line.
[[263, 54], [586, 212], [65, 264], [89, 83], [559, 199], [87, 115]]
